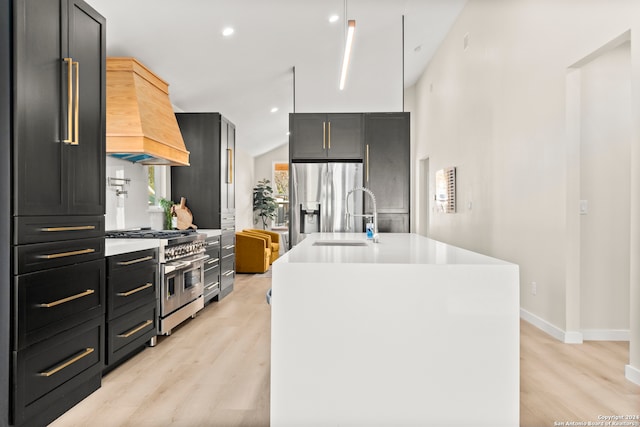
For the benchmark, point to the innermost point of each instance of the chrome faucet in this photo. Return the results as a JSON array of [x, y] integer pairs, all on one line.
[[365, 215]]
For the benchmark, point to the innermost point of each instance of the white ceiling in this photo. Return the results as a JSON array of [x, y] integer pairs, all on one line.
[[244, 76]]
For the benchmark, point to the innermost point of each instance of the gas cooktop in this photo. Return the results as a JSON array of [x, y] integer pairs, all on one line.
[[148, 234]]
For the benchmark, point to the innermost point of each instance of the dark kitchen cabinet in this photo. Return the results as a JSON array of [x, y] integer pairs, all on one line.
[[208, 183], [60, 98], [132, 295], [53, 202], [387, 168], [316, 136]]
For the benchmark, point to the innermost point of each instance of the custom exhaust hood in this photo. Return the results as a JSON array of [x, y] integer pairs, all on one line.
[[141, 125]]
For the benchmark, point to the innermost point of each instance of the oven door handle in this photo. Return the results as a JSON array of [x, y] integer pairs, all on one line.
[[174, 266], [193, 261]]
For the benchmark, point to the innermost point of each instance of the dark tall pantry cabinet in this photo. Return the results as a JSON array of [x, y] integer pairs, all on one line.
[[208, 183], [52, 193]]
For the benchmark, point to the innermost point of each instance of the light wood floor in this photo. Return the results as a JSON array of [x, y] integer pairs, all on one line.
[[214, 371]]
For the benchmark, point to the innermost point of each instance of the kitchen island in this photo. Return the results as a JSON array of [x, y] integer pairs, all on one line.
[[408, 331]]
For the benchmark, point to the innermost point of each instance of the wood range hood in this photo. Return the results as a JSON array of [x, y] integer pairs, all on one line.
[[141, 124]]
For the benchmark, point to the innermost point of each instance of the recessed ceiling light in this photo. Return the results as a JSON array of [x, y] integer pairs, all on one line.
[[274, 109], [227, 31], [334, 18]]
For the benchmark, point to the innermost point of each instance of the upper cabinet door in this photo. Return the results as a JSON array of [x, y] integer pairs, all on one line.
[[86, 159], [387, 161], [40, 121], [308, 138], [59, 108], [345, 135], [326, 136], [231, 147]]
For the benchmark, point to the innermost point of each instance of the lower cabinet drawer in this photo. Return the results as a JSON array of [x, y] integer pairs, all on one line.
[[51, 301], [130, 331], [227, 271], [46, 371], [41, 256], [131, 288]]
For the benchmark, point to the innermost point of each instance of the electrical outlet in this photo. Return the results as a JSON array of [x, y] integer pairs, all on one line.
[[534, 288]]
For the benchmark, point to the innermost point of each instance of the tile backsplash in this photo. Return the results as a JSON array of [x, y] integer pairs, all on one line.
[[129, 209]]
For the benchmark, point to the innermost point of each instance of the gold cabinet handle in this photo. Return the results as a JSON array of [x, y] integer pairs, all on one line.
[[67, 299], [329, 135], [73, 108], [213, 285], [74, 228], [367, 163], [68, 362], [135, 261], [136, 329], [76, 114], [324, 135], [66, 254], [69, 62], [133, 291], [229, 166]]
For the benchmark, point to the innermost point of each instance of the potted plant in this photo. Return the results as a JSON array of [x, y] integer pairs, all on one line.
[[263, 202]]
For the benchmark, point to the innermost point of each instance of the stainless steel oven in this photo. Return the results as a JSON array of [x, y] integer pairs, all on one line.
[[182, 284]]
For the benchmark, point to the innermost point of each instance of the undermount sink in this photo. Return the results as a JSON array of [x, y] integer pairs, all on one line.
[[339, 242]]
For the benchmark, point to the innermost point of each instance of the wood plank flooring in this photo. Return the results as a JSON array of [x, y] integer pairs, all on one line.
[[214, 371]]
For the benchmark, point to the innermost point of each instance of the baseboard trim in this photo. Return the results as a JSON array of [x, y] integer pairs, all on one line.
[[567, 337], [606, 334], [632, 374]]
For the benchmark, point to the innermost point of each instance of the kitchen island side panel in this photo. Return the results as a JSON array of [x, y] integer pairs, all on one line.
[[394, 344]]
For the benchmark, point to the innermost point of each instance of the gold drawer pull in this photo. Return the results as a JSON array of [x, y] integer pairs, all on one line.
[[67, 363], [135, 261], [74, 228], [213, 285], [133, 291], [228, 273], [136, 329], [67, 299], [66, 254]]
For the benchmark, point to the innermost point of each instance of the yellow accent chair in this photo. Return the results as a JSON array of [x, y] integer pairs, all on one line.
[[275, 240], [253, 253]]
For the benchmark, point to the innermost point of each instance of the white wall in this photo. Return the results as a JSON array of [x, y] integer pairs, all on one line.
[[496, 110], [245, 177], [130, 210]]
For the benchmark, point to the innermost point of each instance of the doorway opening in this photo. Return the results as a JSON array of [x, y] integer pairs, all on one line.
[[599, 119]]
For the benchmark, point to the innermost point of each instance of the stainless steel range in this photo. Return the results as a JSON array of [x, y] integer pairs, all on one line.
[[181, 254]]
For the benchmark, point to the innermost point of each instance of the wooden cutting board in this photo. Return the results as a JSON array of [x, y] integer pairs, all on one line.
[[185, 218]]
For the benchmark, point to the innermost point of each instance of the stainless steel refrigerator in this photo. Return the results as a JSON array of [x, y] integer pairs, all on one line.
[[317, 198]]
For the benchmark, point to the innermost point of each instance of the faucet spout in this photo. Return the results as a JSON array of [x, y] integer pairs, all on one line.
[[374, 214]]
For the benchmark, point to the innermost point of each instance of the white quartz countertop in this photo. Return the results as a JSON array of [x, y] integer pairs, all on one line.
[[123, 246], [392, 248]]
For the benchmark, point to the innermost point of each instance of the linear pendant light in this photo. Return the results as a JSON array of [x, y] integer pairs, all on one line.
[[347, 52]]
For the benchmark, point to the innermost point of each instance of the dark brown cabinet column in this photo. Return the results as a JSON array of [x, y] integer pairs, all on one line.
[[53, 196]]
